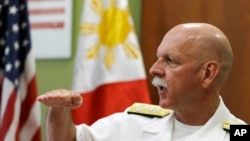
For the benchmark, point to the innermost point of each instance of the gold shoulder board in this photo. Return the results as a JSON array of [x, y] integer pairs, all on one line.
[[148, 110], [226, 125]]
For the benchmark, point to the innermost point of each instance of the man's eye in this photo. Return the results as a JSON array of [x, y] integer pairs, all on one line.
[[169, 59], [171, 62]]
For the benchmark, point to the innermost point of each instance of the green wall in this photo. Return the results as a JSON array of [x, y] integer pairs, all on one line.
[[56, 74]]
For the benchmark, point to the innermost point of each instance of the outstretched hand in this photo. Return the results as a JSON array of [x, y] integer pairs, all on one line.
[[61, 98]]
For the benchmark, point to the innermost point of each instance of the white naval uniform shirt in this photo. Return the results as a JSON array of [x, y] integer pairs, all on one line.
[[131, 127], [182, 131]]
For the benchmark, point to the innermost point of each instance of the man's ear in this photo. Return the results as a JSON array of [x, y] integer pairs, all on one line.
[[211, 70]]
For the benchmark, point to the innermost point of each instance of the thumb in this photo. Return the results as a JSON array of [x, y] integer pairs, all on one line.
[[76, 101]]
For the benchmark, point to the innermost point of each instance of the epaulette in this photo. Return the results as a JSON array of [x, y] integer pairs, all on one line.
[[226, 125], [148, 110]]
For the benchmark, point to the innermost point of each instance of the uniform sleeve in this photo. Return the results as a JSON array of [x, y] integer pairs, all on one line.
[[106, 129]]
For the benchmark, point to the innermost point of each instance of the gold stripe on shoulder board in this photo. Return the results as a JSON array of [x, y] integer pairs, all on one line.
[[148, 110], [226, 125]]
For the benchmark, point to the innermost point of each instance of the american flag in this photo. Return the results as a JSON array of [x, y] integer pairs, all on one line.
[[19, 110]]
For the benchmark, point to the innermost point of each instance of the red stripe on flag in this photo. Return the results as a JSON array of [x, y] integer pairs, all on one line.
[[46, 11], [110, 98], [47, 25], [27, 104], [37, 135], [8, 115]]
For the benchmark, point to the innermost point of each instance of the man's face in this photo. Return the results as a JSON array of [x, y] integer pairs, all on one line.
[[177, 67]]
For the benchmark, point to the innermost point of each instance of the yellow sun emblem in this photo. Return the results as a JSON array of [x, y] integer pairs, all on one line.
[[113, 29]]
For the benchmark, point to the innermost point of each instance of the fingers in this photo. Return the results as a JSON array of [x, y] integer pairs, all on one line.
[[61, 98]]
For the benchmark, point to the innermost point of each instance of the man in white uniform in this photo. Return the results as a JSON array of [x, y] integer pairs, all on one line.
[[194, 60]]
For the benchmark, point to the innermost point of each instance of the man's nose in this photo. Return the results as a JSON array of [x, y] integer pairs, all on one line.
[[157, 69]]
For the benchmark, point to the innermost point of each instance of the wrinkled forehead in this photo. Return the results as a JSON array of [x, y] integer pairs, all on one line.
[[193, 33], [196, 40], [179, 39]]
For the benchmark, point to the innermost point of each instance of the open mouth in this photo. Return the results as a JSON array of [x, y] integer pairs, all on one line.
[[162, 88]]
